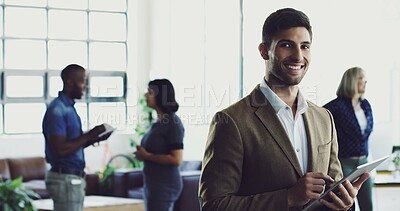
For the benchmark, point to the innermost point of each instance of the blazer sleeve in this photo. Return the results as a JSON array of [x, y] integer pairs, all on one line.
[[222, 172]]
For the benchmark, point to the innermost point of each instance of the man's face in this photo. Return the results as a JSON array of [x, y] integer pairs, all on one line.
[[288, 56], [78, 84]]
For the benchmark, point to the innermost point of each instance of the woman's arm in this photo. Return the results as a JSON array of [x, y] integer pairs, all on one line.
[[173, 158]]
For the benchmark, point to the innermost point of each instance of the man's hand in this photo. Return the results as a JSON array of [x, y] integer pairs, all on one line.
[[344, 199], [96, 131], [101, 138], [308, 187]]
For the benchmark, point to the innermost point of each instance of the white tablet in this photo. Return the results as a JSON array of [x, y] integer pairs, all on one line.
[[353, 176], [108, 128]]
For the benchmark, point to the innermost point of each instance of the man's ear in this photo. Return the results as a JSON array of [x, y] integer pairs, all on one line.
[[68, 82], [263, 49]]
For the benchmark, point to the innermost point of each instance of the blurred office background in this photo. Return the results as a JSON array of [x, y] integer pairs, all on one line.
[[207, 48]]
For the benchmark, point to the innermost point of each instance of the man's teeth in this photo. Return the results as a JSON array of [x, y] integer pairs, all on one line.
[[294, 67]]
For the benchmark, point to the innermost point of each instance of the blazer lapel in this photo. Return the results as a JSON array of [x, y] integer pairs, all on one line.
[[312, 140], [272, 124]]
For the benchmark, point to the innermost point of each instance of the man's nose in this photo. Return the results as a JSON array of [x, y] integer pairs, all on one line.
[[297, 54]]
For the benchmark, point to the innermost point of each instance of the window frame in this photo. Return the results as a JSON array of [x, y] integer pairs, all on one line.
[[48, 72]]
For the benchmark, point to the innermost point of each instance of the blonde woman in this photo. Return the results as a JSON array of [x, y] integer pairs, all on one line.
[[354, 122]]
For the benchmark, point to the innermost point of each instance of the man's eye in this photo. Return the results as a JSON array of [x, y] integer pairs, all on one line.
[[306, 46], [285, 45]]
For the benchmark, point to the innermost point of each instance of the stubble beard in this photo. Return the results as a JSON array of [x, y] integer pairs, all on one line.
[[278, 72]]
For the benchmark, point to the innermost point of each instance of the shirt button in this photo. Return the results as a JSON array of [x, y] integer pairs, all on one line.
[[297, 150], [287, 108]]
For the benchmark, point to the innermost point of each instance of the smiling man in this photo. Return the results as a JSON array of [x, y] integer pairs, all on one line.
[[274, 150]]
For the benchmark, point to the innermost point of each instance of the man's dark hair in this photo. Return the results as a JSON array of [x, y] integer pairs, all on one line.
[[165, 95], [68, 70], [284, 19]]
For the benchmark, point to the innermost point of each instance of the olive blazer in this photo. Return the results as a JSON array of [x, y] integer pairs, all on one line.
[[249, 161]]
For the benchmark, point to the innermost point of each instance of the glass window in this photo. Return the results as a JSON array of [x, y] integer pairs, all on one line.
[[68, 24], [31, 52], [18, 117], [82, 110], [1, 21], [106, 86], [1, 54], [107, 26], [55, 85], [70, 4], [62, 53], [1, 43], [39, 3], [107, 5], [111, 113], [102, 56], [31, 24], [40, 38], [24, 86], [1, 118]]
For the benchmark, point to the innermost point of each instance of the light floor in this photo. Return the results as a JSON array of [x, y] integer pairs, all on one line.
[[385, 199]]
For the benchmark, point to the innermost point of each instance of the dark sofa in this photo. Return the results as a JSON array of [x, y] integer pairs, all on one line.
[[33, 171], [129, 184]]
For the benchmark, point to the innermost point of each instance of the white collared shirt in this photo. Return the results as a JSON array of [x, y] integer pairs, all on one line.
[[294, 127], [362, 120]]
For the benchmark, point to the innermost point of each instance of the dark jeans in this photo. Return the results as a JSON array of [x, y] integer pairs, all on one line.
[[364, 196]]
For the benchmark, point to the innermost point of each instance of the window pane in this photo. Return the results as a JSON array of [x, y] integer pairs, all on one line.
[[31, 24], [111, 113], [107, 26], [81, 109], [40, 3], [31, 52], [1, 21], [1, 118], [32, 86], [62, 53], [107, 5], [107, 56], [1, 54], [68, 24], [23, 117], [106, 86], [55, 85], [70, 4]]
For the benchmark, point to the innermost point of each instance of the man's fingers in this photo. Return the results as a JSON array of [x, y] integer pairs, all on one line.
[[357, 184], [320, 175]]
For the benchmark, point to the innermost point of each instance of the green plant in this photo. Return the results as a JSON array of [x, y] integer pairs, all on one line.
[[105, 179], [14, 197], [144, 122], [142, 126], [105, 176], [396, 160], [396, 157]]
